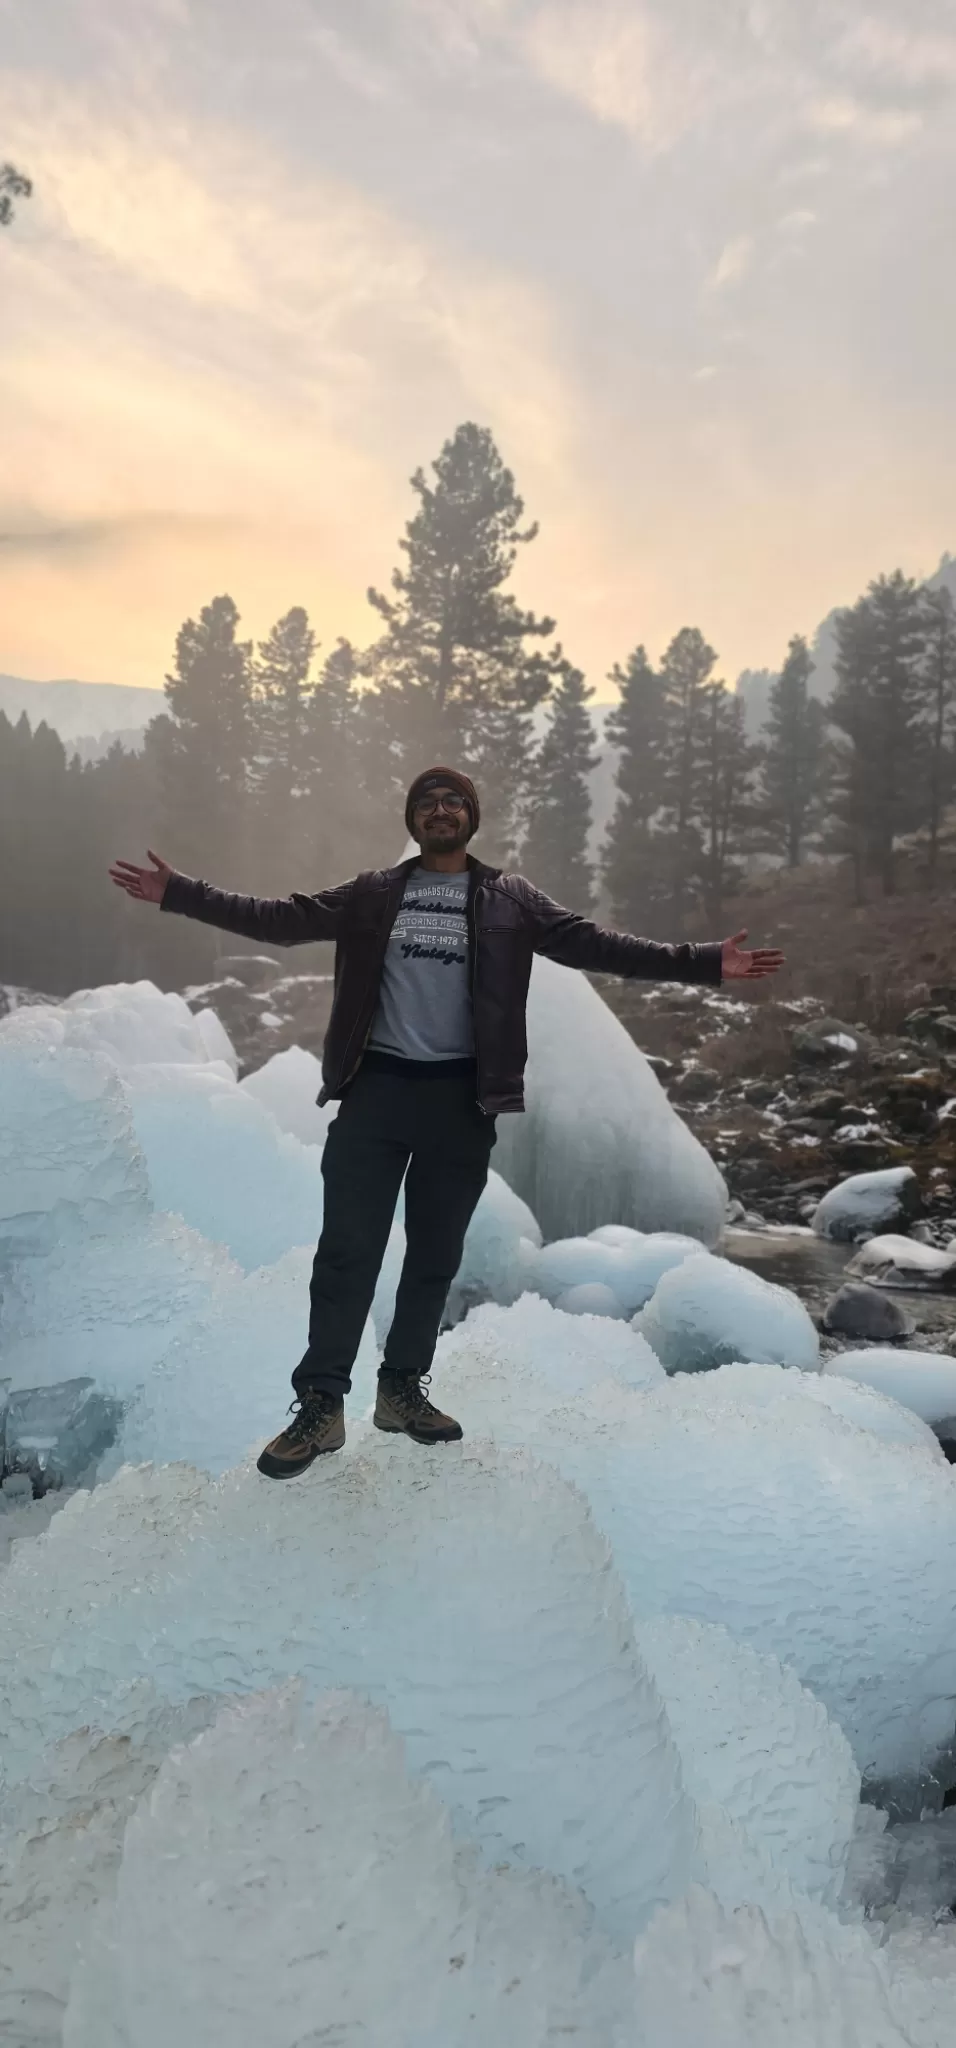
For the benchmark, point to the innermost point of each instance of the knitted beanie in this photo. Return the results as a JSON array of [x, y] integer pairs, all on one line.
[[443, 778]]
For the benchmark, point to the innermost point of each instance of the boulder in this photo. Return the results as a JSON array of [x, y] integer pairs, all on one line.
[[857, 1310], [825, 1041], [891, 1261], [695, 1084], [868, 1202]]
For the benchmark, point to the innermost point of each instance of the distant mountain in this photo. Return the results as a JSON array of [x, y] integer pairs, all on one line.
[[754, 684], [84, 712]]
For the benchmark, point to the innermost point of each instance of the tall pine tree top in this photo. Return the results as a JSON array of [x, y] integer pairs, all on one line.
[[453, 632]]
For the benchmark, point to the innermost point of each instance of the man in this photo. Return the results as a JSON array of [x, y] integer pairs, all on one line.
[[426, 1046]]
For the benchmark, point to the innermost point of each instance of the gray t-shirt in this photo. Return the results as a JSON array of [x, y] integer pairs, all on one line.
[[424, 1010]]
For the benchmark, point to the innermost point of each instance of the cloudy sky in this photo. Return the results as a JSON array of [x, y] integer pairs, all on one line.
[[691, 260]]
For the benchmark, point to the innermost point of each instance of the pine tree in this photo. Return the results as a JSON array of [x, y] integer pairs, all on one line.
[[281, 688], [792, 792], [631, 854], [210, 740], [878, 704], [723, 796], [280, 691], [458, 663], [333, 838], [685, 673], [939, 685], [555, 851], [13, 185]]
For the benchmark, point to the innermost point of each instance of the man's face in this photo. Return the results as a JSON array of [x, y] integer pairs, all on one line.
[[441, 821]]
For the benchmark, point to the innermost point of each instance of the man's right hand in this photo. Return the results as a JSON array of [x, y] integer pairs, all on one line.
[[146, 884]]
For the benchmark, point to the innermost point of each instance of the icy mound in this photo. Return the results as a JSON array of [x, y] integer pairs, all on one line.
[[868, 1202], [923, 1381], [627, 1262], [742, 1497], [93, 1284], [751, 1738], [61, 1839], [513, 1366], [216, 1157], [287, 1086], [474, 1601], [599, 1141], [705, 1313], [133, 1022], [796, 1980], [69, 1160], [222, 1389], [803, 1535], [285, 1873]]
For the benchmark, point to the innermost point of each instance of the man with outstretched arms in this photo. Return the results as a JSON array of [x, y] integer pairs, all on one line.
[[426, 1046]]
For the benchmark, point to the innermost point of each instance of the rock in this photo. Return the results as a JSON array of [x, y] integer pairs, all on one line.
[[936, 1026], [890, 1261], [828, 1106], [912, 1101], [868, 1202], [826, 1041], [252, 969], [735, 1212], [863, 1147], [52, 1435], [760, 1092], [860, 1311], [695, 1083]]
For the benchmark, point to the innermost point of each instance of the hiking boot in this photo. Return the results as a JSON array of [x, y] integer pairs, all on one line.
[[403, 1408], [318, 1425]]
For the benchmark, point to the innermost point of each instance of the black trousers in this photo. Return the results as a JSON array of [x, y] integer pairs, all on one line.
[[423, 1127]]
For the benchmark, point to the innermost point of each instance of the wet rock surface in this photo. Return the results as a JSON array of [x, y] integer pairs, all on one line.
[[857, 1310]]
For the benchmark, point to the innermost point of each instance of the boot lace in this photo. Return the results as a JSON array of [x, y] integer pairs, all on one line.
[[309, 1412], [410, 1391]]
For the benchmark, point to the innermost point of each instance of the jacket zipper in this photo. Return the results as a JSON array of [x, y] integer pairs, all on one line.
[[473, 936]]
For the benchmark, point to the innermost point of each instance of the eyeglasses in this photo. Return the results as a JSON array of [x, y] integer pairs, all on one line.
[[448, 800]]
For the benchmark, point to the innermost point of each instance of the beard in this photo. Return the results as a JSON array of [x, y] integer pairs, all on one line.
[[436, 837]]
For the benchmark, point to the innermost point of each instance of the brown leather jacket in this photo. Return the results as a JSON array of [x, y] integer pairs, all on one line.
[[509, 920]]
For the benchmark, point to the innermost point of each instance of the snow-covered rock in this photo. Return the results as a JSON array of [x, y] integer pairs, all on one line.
[[706, 1312], [892, 1261], [868, 1202], [599, 1141]]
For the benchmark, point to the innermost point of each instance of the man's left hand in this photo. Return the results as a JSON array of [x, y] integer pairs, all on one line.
[[739, 965]]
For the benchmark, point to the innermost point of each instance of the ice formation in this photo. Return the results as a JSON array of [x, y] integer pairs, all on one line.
[[924, 1381], [800, 1979], [636, 1640], [599, 1141], [477, 1604], [288, 1086], [866, 1202], [94, 1284], [628, 1263], [705, 1313], [379, 1927], [746, 1497]]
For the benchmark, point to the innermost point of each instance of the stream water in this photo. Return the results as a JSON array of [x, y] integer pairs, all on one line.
[[813, 1268]]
